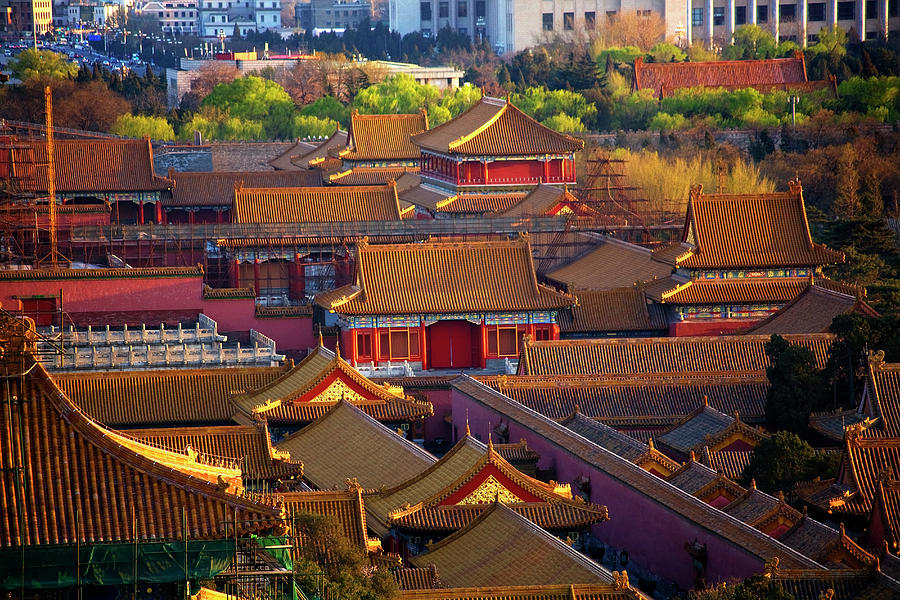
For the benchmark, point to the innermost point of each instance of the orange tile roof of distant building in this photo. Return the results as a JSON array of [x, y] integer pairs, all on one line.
[[746, 290], [217, 188], [883, 397], [316, 204], [345, 506], [317, 383], [627, 356], [282, 162], [384, 137], [115, 273], [763, 74], [248, 445], [815, 584], [99, 166], [483, 481], [443, 278], [164, 397], [370, 175], [327, 464], [812, 311], [750, 231], [478, 203], [596, 591], [305, 155], [636, 400], [620, 309], [543, 200], [611, 264], [494, 127], [128, 490], [501, 546]]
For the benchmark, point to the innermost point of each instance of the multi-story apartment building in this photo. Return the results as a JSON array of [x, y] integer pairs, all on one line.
[[513, 25], [27, 16], [338, 14], [175, 17], [222, 18]]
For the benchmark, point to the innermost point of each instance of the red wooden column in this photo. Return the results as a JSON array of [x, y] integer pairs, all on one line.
[[159, 212], [457, 172], [484, 345], [236, 273], [376, 350], [296, 284], [546, 171], [141, 211], [485, 172], [574, 175], [423, 345], [256, 275]]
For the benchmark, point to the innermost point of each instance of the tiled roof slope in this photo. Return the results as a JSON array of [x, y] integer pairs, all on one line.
[[494, 127], [175, 397], [424, 483], [737, 231], [637, 400], [99, 166], [542, 200], [764, 289], [376, 457], [384, 137], [604, 436], [316, 204], [307, 158], [345, 506], [637, 479], [500, 547], [443, 278], [311, 388], [664, 78], [217, 188], [491, 478], [694, 429], [612, 264], [882, 397], [600, 591], [886, 505], [815, 584], [83, 474], [478, 203], [619, 309], [812, 312], [371, 175], [249, 445], [627, 356], [282, 162]]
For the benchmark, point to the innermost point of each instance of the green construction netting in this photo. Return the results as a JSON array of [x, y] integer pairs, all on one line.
[[113, 564]]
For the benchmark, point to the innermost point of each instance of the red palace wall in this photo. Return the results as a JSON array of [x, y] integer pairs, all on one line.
[[653, 535], [154, 300], [689, 328]]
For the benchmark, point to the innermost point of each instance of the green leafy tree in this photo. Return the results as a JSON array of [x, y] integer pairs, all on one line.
[[666, 52], [797, 387], [779, 462], [398, 94], [138, 126], [750, 41], [564, 123], [307, 127], [32, 64], [328, 108], [254, 99]]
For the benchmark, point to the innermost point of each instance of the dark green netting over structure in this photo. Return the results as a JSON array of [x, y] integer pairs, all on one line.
[[105, 564]]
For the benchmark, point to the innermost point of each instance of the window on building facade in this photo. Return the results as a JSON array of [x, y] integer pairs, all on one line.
[[444, 10], [590, 20], [787, 13], [547, 21], [815, 11], [762, 14], [398, 343], [696, 17], [719, 16], [542, 332], [740, 15], [568, 21], [364, 345], [425, 11], [846, 11], [462, 9], [872, 9], [610, 15], [480, 8], [503, 340]]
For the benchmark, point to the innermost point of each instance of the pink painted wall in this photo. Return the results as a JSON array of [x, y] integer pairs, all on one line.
[[653, 534], [688, 328]]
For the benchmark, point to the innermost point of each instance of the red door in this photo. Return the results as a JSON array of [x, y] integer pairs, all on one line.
[[451, 345]]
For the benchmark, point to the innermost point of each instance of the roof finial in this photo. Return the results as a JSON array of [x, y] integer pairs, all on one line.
[[705, 400], [321, 342], [753, 484], [468, 431], [650, 443], [737, 416], [490, 438], [693, 456], [337, 348]]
